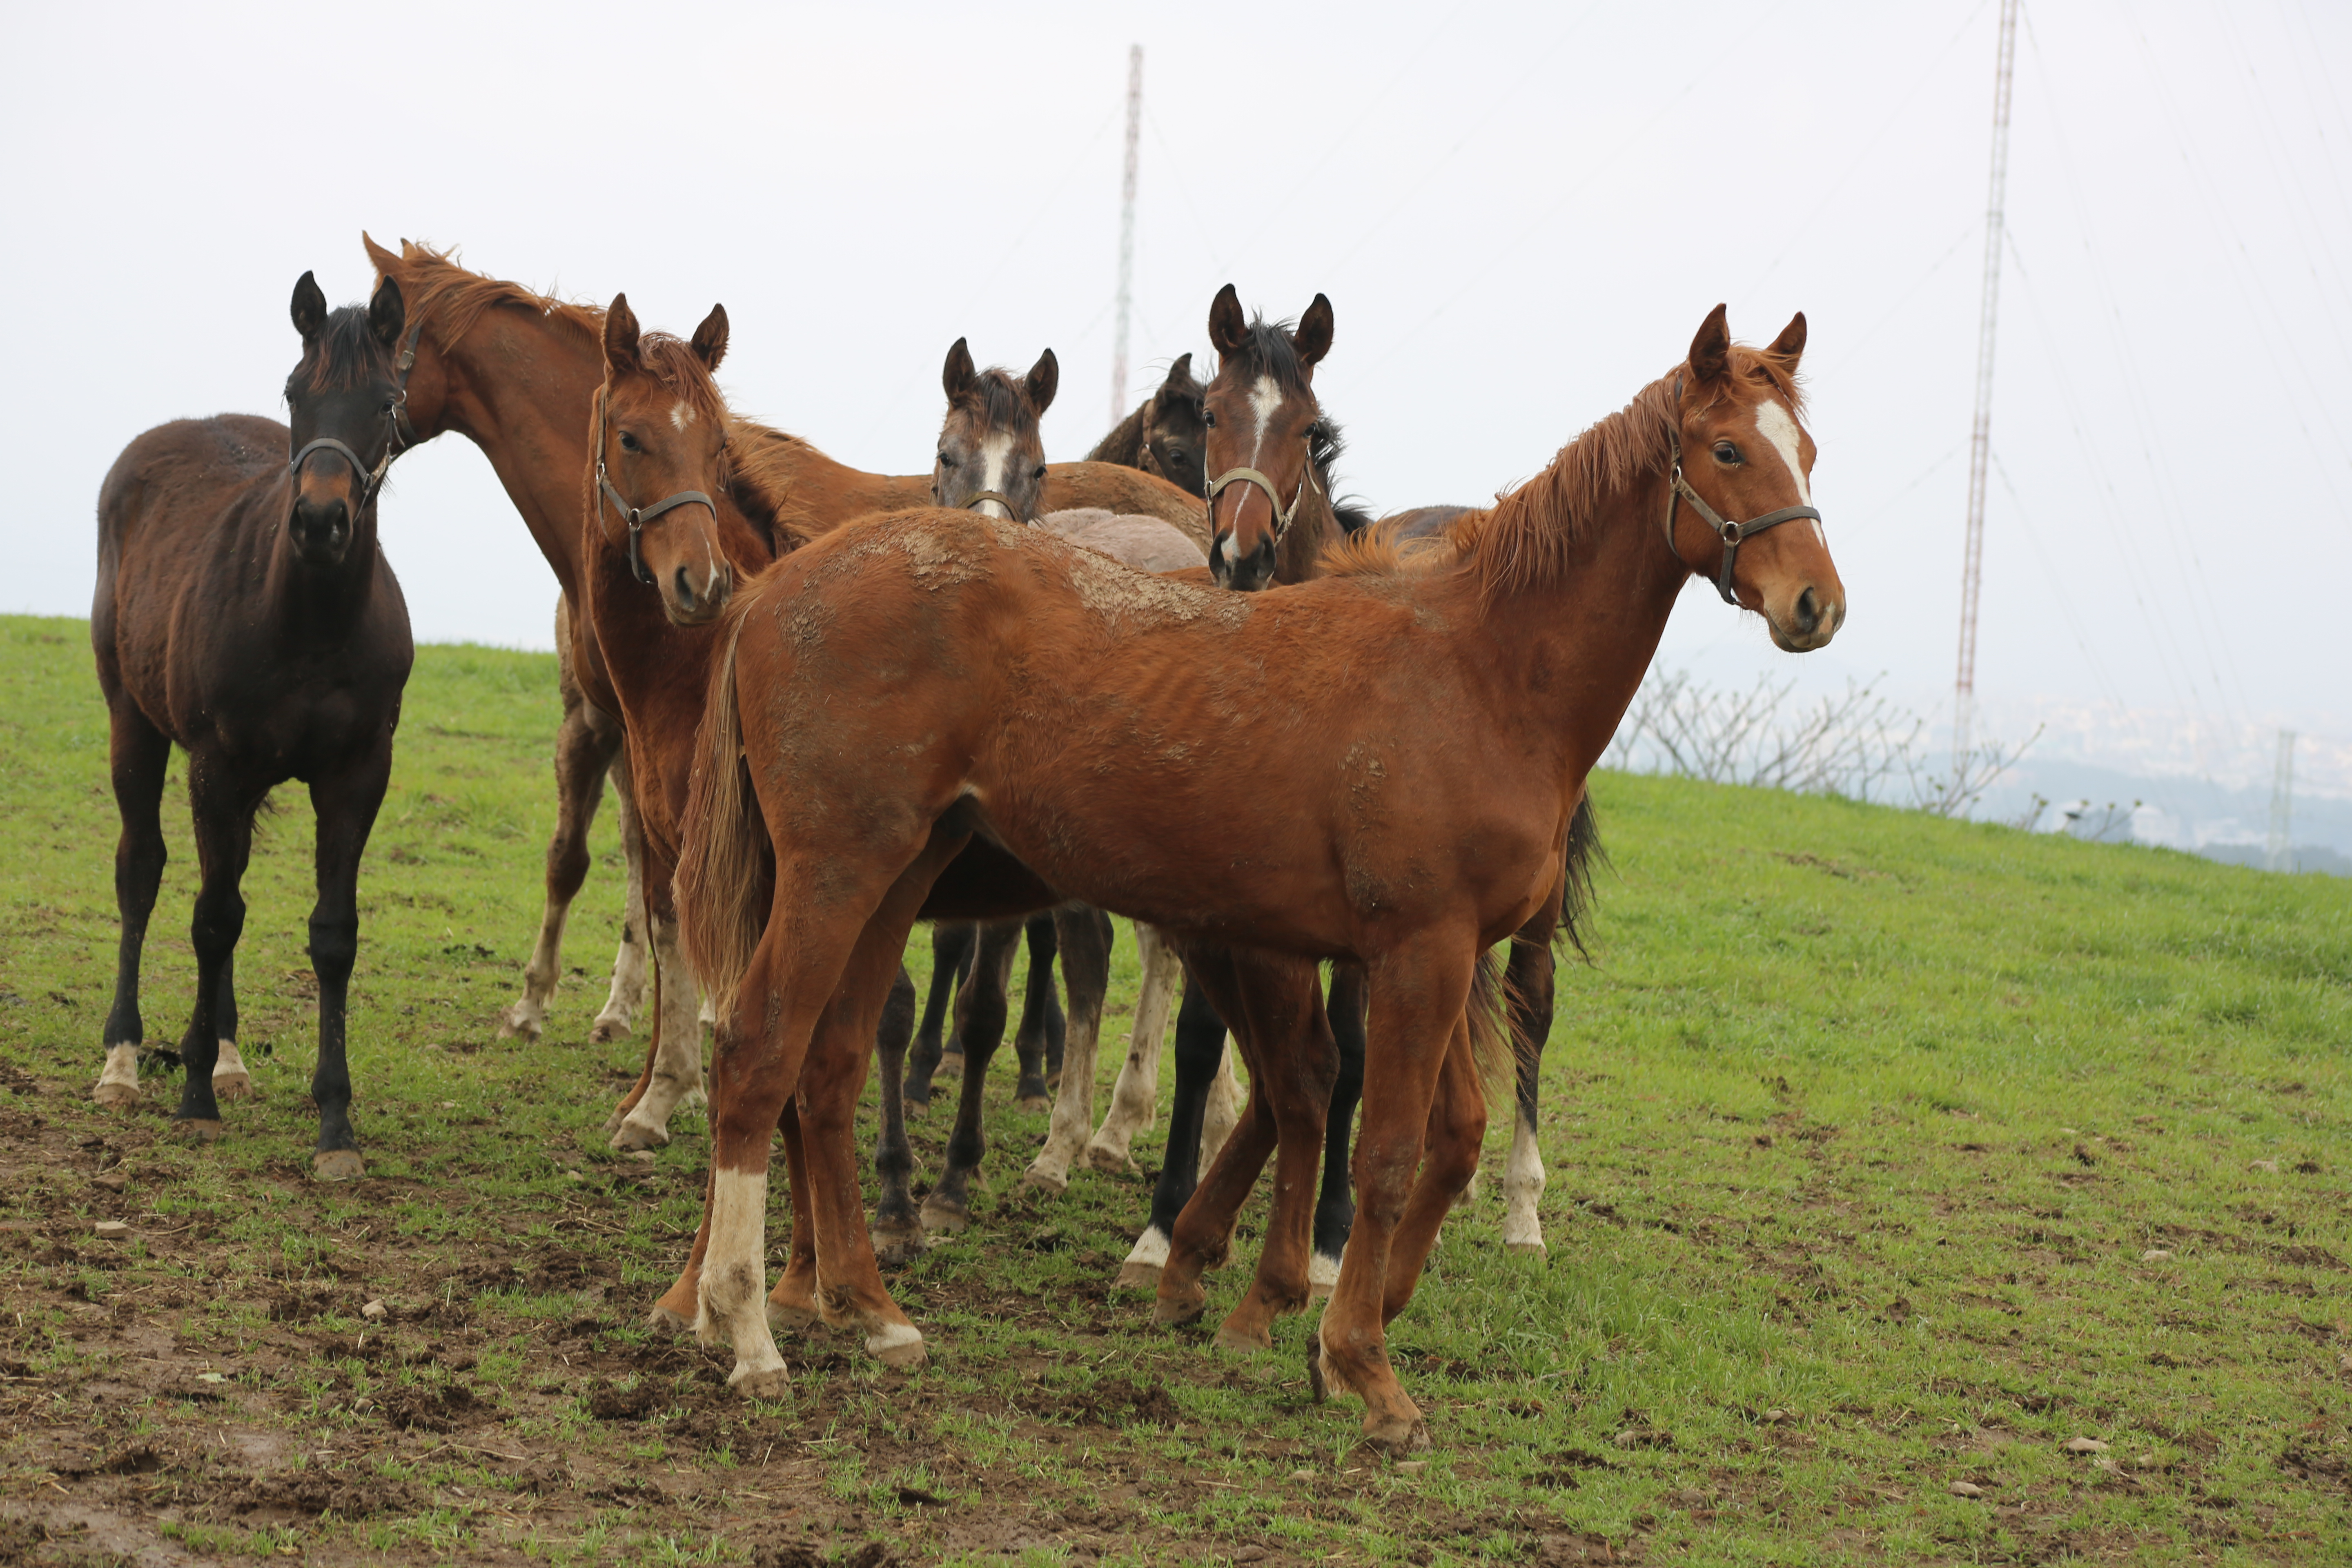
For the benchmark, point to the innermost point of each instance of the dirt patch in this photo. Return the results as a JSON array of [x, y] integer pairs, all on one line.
[[1113, 1402]]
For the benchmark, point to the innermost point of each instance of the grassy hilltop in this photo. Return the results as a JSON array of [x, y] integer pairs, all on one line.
[[1886, 1154]]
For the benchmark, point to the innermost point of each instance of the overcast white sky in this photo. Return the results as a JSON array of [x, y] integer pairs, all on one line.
[[1520, 212]]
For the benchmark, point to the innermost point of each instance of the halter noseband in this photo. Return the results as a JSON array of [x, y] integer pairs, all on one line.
[[1283, 517], [637, 517], [1000, 498], [399, 433], [1732, 533]]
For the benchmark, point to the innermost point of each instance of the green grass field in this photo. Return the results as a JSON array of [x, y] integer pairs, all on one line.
[[1888, 1154]]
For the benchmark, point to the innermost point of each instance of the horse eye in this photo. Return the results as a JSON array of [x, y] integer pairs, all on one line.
[[1040, 473], [629, 443], [1724, 452], [946, 461], [1208, 420]]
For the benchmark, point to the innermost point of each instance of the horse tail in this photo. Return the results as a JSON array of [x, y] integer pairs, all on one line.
[[1576, 876], [1493, 1047], [723, 871]]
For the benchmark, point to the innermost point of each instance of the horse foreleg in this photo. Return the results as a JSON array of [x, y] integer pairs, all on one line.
[[224, 833], [673, 1074], [1039, 1042], [619, 1013], [1136, 1095], [952, 945], [1200, 1057], [1086, 943], [1417, 1001], [346, 805]]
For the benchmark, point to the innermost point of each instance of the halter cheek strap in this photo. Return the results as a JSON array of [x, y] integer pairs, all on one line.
[[637, 517], [1000, 498], [398, 437], [1282, 516], [1678, 489]]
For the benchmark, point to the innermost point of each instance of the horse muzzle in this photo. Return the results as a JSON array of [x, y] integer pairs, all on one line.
[[1810, 619], [695, 596], [1241, 573], [321, 531]]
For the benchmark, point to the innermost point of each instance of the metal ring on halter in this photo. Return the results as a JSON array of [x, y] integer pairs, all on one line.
[[1282, 519], [1732, 533], [637, 517]]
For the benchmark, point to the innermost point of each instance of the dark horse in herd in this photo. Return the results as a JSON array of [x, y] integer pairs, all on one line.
[[1178, 681]]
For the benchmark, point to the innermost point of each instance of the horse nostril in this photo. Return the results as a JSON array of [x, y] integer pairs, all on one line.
[[685, 588], [1808, 611]]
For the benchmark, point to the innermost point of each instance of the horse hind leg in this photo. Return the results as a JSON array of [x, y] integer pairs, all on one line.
[[140, 756], [618, 1016], [1086, 944], [1199, 1056], [231, 1078], [1335, 1211], [898, 1233], [1530, 974], [952, 945], [1039, 1043], [1293, 1064], [673, 1072], [1134, 1099]]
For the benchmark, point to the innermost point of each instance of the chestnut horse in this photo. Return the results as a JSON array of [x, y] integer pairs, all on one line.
[[925, 681], [516, 372], [245, 612]]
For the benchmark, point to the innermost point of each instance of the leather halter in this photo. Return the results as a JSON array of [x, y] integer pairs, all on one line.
[[399, 433], [637, 517], [1731, 533], [1001, 498], [1283, 517]]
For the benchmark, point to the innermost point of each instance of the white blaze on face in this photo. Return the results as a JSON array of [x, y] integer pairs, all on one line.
[[1779, 426], [995, 453], [680, 416], [1266, 402]]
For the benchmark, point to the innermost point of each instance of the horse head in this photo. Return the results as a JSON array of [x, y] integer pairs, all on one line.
[[991, 455], [660, 453], [344, 404], [1172, 429], [1739, 505], [1261, 419]]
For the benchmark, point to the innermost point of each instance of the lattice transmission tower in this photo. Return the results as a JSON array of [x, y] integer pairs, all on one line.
[[1126, 233], [1964, 694]]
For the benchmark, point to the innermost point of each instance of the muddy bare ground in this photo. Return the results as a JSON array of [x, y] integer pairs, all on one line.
[[216, 1381]]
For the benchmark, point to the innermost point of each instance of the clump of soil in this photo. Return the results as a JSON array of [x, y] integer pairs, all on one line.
[[429, 1407], [1113, 1402], [311, 1493], [610, 1402]]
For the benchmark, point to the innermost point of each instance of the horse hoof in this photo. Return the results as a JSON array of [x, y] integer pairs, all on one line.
[[899, 1246], [1316, 1384], [232, 1086], [629, 1136], [950, 1065], [336, 1164], [1174, 1312], [115, 1096], [898, 1347], [790, 1317], [664, 1319], [605, 1032], [512, 1026], [1034, 1102], [1396, 1436], [198, 1129], [1100, 1157], [1246, 1338], [1528, 1248], [1134, 1276], [1045, 1179], [770, 1382], [945, 1218]]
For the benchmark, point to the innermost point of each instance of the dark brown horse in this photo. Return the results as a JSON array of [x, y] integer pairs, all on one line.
[[1163, 434], [245, 613], [977, 683]]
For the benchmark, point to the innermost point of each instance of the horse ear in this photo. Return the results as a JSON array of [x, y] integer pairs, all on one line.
[[1045, 377], [710, 342], [957, 377], [1790, 344], [1313, 337], [1181, 371], [310, 307], [1227, 329], [620, 335], [387, 313], [383, 260], [1710, 352]]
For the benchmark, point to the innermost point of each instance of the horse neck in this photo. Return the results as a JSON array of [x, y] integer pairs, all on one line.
[[1315, 528], [1576, 642], [1124, 445], [521, 387]]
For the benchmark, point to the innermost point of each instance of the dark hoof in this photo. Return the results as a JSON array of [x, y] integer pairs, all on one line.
[[338, 1165], [198, 1129], [945, 1217], [916, 1101], [897, 1246], [1315, 1383], [1035, 1100]]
